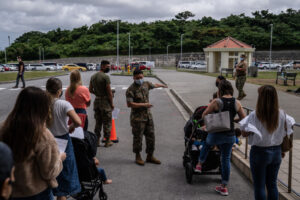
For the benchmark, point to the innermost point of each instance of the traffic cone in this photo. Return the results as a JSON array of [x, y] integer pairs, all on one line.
[[113, 133]]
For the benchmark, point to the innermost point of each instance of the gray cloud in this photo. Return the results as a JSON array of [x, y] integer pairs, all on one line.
[[19, 16]]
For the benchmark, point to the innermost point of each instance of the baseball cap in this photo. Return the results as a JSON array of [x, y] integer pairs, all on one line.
[[6, 162]]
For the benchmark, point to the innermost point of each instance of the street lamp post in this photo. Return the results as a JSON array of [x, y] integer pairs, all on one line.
[[181, 46], [118, 44], [5, 55], [40, 54], [8, 40], [149, 53], [129, 48], [43, 53], [271, 46]]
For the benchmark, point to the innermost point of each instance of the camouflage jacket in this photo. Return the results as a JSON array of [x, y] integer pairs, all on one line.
[[139, 94]]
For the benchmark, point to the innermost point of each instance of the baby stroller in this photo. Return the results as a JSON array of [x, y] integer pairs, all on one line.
[[90, 181], [193, 132]]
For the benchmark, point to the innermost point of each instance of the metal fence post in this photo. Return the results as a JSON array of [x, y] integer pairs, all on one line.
[[246, 145], [290, 172]]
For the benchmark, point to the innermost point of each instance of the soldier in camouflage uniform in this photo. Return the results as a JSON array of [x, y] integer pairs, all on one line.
[[241, 76], [103, 104], [137, 96]]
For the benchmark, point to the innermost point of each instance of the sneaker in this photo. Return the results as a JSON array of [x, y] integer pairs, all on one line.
[[223, 191], [198, 168]]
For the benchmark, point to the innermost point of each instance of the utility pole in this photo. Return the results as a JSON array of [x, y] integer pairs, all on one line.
[[40, 54], [271, 46], [5, 55], [149, 53], [43, 54], [181, 46], [8, 40], [132, 52], [118, 44], [129, 48]]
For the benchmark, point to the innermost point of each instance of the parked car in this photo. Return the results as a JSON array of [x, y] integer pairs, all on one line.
[[12, 67], [98, 67], [6, 68], [59, 66], [71, 67], [82, 65], [50, 65], [289, 65], [29, 67], [268, 65], [42, 67], [199, 65], [148, 64], [2, 68], [185, 64], [296, 64], [91, 66]]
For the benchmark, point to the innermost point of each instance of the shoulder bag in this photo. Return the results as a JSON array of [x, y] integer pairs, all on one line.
[[287, 143], [217, 122]]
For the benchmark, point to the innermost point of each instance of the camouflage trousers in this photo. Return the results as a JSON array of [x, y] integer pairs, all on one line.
[[239, 84], [138, 130], [103, 118]]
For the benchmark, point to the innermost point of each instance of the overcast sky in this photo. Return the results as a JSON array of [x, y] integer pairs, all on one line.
[[19, 16]]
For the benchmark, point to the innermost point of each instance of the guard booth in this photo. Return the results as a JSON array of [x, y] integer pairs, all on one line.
[[225, 54]]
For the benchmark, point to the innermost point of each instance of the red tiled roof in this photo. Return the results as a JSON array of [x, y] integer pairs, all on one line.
[[229, 42]]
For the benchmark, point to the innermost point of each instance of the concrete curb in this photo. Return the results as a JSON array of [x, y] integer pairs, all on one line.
[[237, 158], [32, 79]]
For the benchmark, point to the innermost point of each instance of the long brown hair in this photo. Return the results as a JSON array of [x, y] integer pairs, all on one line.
[[225, 88], [75, 81], [267, 107], [53, 85], [23, 127]]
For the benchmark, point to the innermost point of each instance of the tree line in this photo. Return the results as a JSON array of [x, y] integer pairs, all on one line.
[[100, 38]]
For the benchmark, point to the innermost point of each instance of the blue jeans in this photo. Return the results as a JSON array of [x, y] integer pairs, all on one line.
[[265, 163], [45, 195], [102, 174], [225, 150], [18, 78]]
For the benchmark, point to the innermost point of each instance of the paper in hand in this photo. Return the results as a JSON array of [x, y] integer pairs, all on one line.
[[78, 133], [115, 113], [62, 144]]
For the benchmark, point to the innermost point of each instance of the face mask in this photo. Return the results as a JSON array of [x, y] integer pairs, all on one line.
[[106, 70], [242, 59], [139, 81]]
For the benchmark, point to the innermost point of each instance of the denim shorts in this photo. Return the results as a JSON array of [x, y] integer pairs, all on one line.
[[68, 180]]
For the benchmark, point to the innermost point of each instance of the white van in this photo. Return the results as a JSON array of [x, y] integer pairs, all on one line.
[[150, 64], [185, 64]]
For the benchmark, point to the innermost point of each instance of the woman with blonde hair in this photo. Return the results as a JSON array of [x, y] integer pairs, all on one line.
[[61, 112], [79, 96], [265, 154]]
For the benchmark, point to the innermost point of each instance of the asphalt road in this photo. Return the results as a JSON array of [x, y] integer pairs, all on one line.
[[165, 181]]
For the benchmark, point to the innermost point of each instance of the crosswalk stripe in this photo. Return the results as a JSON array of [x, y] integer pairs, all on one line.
[[2, 88], [124, 88]]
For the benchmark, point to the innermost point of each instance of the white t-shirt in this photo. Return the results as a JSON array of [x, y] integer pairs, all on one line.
[[59, 126], [270, 139]]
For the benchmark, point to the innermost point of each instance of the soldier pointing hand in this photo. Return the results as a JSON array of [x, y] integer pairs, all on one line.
[[137, 96]]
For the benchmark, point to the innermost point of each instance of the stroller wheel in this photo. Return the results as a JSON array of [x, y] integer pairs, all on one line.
[[189, 172], [102, 196]]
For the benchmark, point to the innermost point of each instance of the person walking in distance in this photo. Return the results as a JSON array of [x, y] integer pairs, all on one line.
[[241, 76], [21, 70], [103, 104], [137, 96]]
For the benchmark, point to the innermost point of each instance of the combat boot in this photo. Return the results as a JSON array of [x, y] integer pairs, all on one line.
[[139, 160], [152, 159], [108, 143]]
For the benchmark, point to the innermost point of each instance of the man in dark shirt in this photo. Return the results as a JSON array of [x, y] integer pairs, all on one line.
[[20, 72]]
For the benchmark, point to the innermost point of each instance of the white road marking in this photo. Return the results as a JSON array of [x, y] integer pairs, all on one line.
[[124, 88], [15, 89]]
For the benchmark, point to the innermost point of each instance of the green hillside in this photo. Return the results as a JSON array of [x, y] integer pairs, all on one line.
[[99, 39]]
